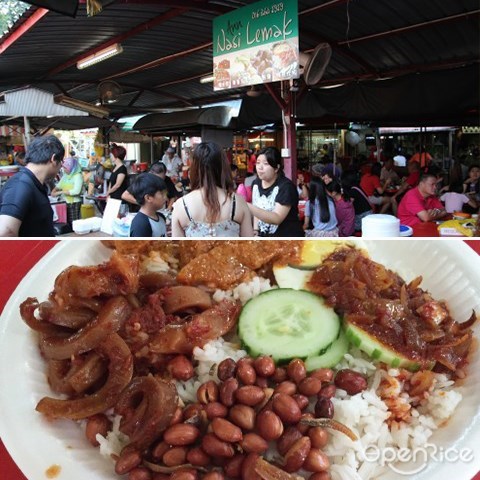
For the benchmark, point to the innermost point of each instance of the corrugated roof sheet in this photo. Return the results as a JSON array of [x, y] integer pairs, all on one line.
[[160, 66]]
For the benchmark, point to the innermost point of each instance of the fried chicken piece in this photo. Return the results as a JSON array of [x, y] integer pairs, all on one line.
[[230, 263]]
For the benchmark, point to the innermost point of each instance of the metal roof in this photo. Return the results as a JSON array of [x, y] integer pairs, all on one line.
[[167, 47]]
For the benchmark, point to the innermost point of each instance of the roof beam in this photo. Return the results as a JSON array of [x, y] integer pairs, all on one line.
[[409, 28], [22, 29], [160, 61], [119, 38], [396, 72]]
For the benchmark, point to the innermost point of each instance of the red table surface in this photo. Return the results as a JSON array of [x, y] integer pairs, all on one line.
[[18, 257]]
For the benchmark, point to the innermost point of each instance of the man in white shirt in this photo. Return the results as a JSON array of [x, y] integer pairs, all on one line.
[[173, 163]]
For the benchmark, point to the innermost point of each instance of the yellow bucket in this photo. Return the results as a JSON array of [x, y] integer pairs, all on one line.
[[87, 210]]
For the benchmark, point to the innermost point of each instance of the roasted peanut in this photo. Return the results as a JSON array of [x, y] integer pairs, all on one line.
[[140, 473], [215, 409], [328, 391], [248, 360], [128, 460], [177, 416], [246, 374], [301, 400], [192, 410], [316, 461], [261, 382], [207, 392], [196, 456], [269, 425], [290, 436], [323, 374], [215, 447], [296, 370], [287, 387], [324, 408], [180, 368], [214, 475], [296, 455], [226, 430], [97, 424], [279, 375], [320, 476], [318, 437], [248, 467], [233, 467], [181, 434], [286, 408], [184, 474], [350, 381], [310, 386], [159, 450], [227, 391], [160, 476], [250, 395], [175, 456], [243, 416], [264, 366], [226, 369], [253, 443]]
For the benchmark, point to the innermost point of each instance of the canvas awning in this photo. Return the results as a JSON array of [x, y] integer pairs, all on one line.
[[174, 121]]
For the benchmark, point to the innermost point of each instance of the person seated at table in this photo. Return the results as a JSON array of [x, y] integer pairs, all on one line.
[[150, 192], [420, 204], [327, 172], [302, 185], [456, 201], [371, 185], [344, 209], [320, 218], [351, 190], [212, 208], [471, 186], [25, 209], [388, 172], [411, 181], [70, 187]]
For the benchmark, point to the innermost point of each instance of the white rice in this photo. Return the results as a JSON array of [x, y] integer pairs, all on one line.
[[159, 262], [244, 291], [115, 440]]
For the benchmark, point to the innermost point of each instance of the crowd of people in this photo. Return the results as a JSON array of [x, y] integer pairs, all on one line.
[[214, 200]]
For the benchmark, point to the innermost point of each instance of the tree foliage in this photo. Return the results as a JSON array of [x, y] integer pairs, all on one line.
[[10, 11]]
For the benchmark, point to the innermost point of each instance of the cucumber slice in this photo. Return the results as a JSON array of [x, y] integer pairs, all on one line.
[[380, 352], [287, 323], [290, 276], [331, 357]]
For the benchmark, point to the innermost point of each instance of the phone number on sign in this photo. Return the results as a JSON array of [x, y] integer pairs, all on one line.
[[262, 12]]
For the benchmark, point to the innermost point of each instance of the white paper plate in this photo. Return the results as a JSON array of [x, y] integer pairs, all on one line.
[[451, 271]]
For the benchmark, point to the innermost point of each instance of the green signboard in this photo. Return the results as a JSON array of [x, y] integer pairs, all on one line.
[[256, 44]]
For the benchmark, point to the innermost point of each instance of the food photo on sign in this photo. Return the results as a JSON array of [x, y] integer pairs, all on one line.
[[283, 359], [256, 44]]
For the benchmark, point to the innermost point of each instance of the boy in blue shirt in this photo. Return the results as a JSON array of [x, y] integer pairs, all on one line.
[[150, 193]]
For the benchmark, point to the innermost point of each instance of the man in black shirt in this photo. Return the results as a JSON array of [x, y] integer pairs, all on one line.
[[25, 209]]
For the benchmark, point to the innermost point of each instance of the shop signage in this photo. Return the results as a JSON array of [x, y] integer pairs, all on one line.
[[256, 44]]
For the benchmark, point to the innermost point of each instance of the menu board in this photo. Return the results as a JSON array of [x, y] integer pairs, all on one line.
[[256, 44]]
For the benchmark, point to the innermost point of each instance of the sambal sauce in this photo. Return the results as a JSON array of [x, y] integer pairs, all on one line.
[[399, 315]]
